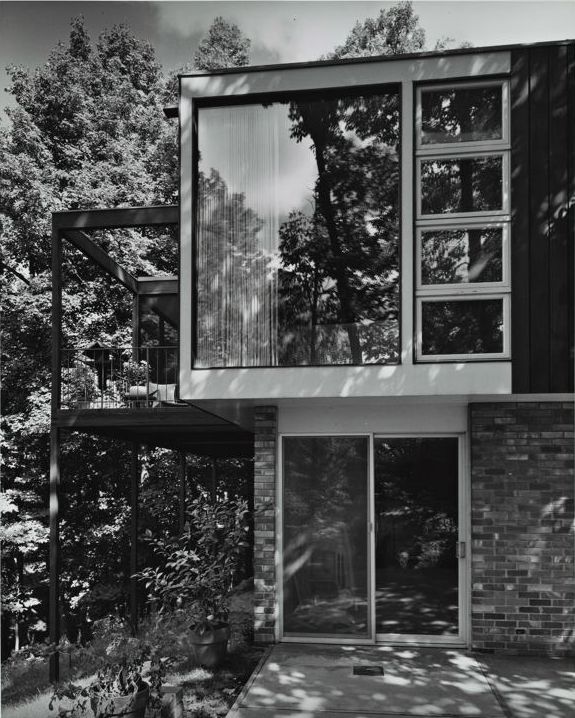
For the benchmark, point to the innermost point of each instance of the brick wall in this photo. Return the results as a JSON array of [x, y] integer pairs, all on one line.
[[265, 439], [522, 491]]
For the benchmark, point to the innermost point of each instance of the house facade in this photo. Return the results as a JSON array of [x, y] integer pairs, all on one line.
[[377, 278], [375, 300]]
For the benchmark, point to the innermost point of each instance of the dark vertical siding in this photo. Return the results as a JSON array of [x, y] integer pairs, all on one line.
[[542, 221], [559, 171], [520, 319], [539, 218], [571, 211]]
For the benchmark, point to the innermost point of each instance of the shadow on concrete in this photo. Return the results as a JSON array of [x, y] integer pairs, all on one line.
[[305, 681]]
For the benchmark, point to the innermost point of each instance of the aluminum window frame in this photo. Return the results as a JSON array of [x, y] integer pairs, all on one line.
[[435, 147], [460, 640], [373, 89], [462, 154], [458, 288], [279, 564], [463, 636], [461, 357], [463, 291]]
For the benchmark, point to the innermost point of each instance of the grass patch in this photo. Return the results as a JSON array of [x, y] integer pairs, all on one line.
[[208, 693]]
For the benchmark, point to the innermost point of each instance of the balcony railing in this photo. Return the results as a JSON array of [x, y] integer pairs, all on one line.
[[118, 377]]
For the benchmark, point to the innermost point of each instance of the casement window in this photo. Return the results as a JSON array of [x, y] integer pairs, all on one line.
[[462, 221]]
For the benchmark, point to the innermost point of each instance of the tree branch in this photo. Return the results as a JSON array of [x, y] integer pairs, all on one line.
[[15, 272]]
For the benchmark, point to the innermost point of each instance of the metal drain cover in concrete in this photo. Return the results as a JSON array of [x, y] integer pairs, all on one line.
[[372, 670]]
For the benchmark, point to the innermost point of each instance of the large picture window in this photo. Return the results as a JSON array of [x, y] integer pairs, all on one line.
[[297, 231], [462, 222]]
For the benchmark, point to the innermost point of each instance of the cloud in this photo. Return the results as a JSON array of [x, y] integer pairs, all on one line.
[[286, 31]]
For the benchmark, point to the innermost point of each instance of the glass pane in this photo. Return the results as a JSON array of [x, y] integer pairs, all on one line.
[[451, 256], [461, 115], [463, 327], [325, 565], [416, 514], [473, 184], [298, 232]]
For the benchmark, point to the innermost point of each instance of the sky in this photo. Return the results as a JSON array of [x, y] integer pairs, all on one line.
[[281, 31]]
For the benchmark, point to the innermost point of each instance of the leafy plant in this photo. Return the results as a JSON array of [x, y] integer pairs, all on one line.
[[197, 570], [79, 383], [124, 678], [135, 372]]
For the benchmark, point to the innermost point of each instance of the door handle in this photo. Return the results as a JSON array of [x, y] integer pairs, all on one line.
[[460, 549]]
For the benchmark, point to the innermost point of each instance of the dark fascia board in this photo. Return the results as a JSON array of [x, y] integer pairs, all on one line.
[[375, 58], [88, 247], [157, 285], [117, 217], [172, 111]]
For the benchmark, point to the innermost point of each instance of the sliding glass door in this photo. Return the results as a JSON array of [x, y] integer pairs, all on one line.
[[371, 538], [416, 511], [325, 537]]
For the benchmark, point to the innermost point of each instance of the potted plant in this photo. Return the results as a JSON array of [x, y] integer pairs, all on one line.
[[135, 375], [79, 385], [197, 570], [119, 689]]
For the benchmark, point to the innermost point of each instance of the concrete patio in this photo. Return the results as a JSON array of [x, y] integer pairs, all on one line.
[[311, 681]]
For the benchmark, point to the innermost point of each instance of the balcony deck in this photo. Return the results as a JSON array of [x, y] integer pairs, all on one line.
[[184, 427]]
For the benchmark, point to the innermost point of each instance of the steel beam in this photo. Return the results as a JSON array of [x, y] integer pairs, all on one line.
[[54, 552], [117, 217], [88, 247], [182, 506], [56, 315], [134, 493]]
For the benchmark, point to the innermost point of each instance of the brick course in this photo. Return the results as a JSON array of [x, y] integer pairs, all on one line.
[[265, 440], [522, 518]]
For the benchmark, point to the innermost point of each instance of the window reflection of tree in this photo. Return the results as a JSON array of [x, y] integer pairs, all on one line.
[[343, 262], [453, 256], [324, 534], [416, 501], [331, 296]]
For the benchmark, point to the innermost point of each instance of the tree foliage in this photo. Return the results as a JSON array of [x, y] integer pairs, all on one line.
[[393, 32], [223, 46], [88, 131]]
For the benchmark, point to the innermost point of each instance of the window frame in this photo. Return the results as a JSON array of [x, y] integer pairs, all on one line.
[[462, 291], [474, 288], [463, 154], [458, 357], [391, 87], [435, 147]]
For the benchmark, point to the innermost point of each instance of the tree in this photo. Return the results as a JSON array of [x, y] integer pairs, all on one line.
[[87, 131], [349, 252], [395, 31], [223, 46]]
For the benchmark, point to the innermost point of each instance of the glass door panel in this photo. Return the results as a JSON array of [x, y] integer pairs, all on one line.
[[416, 534], [325, 537]]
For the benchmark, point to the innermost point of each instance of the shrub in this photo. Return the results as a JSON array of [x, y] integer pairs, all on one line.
[[197, 570]]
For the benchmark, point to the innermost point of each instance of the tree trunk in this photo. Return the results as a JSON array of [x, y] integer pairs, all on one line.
[[343, 289]]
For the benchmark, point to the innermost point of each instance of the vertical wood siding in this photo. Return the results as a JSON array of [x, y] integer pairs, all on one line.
[[542, 224]]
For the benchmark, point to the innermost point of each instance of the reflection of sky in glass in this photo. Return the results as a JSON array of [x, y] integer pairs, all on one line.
[[250, 146]]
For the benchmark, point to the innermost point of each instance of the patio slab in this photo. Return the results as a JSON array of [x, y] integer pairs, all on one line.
[[533, 687], [304, 681]]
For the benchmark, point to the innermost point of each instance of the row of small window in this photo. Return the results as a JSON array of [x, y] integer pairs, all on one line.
[[462, 221]]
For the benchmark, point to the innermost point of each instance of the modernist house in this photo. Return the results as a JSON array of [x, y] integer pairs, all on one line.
[[376, 298]]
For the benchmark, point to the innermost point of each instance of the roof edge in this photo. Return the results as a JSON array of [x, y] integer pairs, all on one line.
[[376, 58]]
